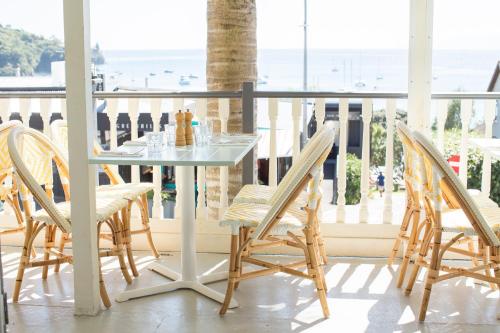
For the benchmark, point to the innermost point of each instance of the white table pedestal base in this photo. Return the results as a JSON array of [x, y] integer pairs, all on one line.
[[188, 279]]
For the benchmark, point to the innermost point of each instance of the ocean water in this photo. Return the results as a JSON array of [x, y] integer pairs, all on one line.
[[328, 70]]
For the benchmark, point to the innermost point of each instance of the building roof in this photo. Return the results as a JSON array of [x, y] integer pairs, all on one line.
[[494, 78]]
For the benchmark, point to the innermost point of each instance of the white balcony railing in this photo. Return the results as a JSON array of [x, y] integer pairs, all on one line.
[[46, 104]]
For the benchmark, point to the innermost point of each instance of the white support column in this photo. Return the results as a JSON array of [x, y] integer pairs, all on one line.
[[224, 171], [367, 111], [296, 113], [489, 116], [81, 132], [157, 210], [342, 159], [319, 112], [201, 208], [112, 112], [133, 113], [178, 104], [442, 113], [389, 159], [420, 64], [465, 117], [273, 158]]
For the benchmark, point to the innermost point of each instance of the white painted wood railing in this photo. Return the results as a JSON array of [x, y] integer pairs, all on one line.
[[136, 104]]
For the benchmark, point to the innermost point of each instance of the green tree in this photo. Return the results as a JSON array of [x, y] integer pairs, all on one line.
[[353, 179], [453, 117]]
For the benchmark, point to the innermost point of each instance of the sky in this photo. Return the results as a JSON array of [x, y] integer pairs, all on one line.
[[333, 24]]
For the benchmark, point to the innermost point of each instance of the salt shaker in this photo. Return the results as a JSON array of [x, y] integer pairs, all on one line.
[[180, 136], [188, 129]]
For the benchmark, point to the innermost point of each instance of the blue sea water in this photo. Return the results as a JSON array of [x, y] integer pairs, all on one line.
[[328, 70]]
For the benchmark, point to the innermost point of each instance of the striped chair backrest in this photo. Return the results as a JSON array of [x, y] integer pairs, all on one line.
[[17, 151], [437, 167], [310, 163], [5, 161], [59, 130]]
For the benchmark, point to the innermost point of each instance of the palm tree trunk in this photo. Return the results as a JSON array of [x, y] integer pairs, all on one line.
[[231, 60]]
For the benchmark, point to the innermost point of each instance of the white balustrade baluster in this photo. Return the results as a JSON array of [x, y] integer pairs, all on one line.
[[157, 209], [5, 109], [442, 113], [489, 116], [25, 110], [224, 171], [319, 112], [112, 112], [389, 160], [465, 117], [63, 108], [178, 104], [133, 113], [342, 159], [273, 159], [201, 209], [45, 104], [296, 113], [367, 111]]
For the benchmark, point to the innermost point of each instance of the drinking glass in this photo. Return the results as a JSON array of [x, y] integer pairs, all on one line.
[[199, 135], [170, 133], [154, 141]]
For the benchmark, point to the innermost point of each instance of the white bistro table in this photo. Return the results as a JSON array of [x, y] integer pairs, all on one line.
[[185, 159]]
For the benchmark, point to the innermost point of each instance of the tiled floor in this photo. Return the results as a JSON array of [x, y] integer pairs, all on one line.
[[362, 297]]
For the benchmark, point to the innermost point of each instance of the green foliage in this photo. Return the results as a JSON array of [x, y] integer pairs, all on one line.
[[353, 174], [474, 164], [453, 117], [32, 53]]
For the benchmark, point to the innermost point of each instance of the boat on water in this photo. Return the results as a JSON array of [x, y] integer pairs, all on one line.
[[360, 84], [167, 71], [184, 82], [152, 74], [380, 77], [335, 69], [261, 81], [191, 76]]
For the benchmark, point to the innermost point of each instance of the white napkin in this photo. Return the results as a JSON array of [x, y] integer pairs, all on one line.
[[130, 152], [135, 143]]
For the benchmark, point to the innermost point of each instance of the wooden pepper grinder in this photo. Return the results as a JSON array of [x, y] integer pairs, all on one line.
[[188, 129], [180, 137]]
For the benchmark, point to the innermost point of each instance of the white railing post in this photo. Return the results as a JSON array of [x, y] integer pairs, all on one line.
[[389, 160], [442, 113], [25, 110], [342, 159], [224, 171], [367, 107], [273, 158], [465, 116], [296, 113], [64, 109], [157, 210], [45, 104], [178, 104], [319, 112], [5, 109], [201, 208], [489, 116], [133, 114], [112, 112]]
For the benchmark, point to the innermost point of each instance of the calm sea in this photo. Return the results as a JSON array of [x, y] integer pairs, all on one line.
[[366, 70]]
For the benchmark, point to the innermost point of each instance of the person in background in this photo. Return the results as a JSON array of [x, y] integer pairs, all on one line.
[[381, 183]]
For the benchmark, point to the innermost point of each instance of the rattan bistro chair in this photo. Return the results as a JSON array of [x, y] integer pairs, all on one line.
[[484, 222], [258, 226], [134, 193], [263, 194], [414, 219], [32, 155]]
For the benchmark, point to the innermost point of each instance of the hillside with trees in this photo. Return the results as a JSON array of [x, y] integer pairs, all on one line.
[[30, 53]]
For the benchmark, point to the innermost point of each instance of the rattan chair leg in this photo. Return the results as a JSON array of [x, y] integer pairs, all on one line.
[[242, 238], [63, 241], [316, 271], [424, 248], [233, 274], [127, 239], [25, 259], [484, 251], [116, 227], [433, 271], [410, 248], [102, 287], [143, 204], [402, 233]]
